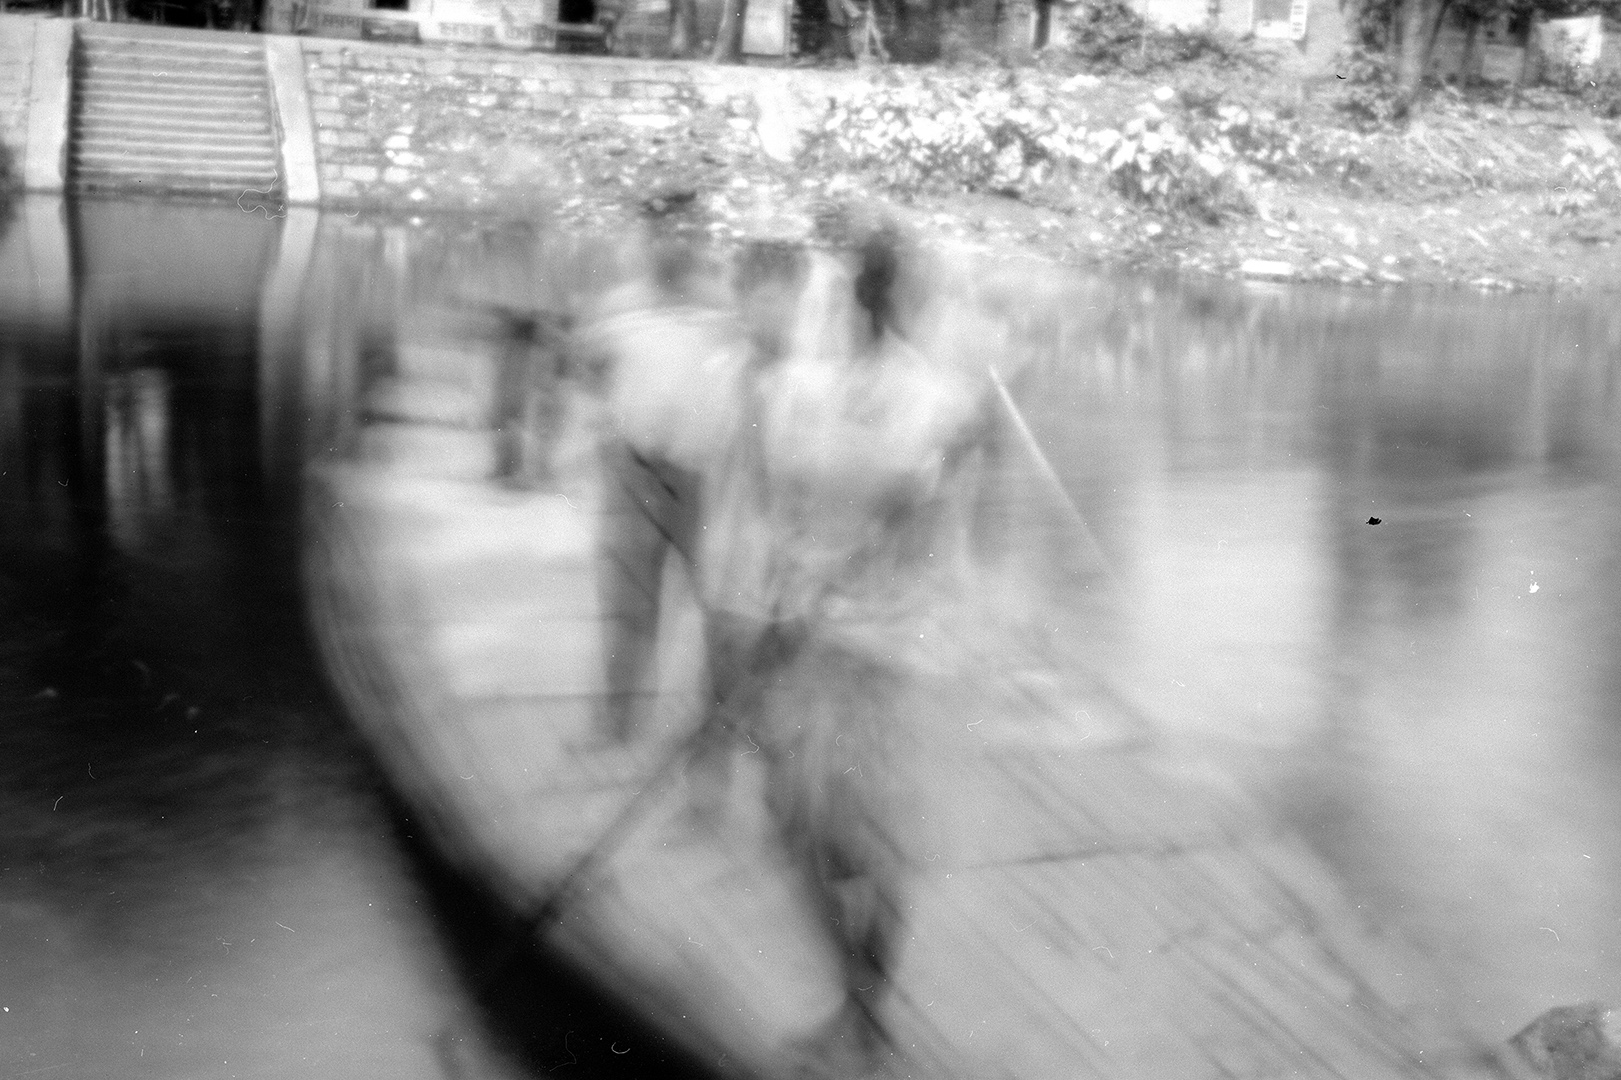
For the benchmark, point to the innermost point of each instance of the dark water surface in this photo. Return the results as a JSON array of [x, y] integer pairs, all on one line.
[[201, 873]]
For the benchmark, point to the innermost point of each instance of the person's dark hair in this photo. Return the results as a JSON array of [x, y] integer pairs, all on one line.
[[879, 255]]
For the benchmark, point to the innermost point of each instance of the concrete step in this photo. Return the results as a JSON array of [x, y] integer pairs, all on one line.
[[156, 158], [136, 126], [95, 155], [148, 40], [143, 124], [151, 122], [167, 64], [111, 134], [168, 144], [167, 59], [205, 52], [124, 122], [201, 152], [166, 183], [92, 92], [144, 169], [156, 109], [102, 117], [191, 82]]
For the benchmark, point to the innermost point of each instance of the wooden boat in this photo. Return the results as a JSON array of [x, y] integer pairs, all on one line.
[[1086, 903]]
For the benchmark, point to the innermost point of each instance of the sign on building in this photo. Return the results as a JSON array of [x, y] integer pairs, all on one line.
[[765, 27], [512, 24], [1283, 20]]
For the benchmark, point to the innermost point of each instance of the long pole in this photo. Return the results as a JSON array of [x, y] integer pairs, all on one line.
[[657, 783], [1049, 475]]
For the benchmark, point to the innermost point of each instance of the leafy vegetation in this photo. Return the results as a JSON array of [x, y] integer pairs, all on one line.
[[1599, 91], [1199, 159], [943, 134], [1110, 35], [1372, 97], [1406, 31], [1153, 162], [1590, 173]]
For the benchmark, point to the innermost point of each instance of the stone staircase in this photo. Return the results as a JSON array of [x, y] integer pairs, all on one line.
[[164, 110]]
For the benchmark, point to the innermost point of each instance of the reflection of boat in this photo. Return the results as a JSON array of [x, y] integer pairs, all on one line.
[[1088, 906]]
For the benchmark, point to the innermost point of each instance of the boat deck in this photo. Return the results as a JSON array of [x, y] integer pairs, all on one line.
[[1086, 901]]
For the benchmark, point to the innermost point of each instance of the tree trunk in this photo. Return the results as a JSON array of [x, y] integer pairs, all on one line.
[[1435, 31], [1471, 50], [930, 22], [982, 16], [683, 27], [1530, 62], [1420, 23], [729, 35], [1014, 24]]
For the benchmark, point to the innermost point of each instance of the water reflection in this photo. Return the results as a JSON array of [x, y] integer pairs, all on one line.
[[201, 872], [200, 851], [1439, 688]]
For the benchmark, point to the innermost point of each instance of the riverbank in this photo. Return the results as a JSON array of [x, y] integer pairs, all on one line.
[[1519, 192], [1504, 194], [1238, 167]]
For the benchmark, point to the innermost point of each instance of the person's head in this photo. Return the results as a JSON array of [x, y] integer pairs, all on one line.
[[877, 278], [887, 263]]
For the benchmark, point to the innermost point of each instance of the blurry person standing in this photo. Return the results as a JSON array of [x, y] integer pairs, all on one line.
[[672, 354], [832, 536]]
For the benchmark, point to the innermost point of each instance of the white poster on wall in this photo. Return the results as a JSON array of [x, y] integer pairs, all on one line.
[[1279, 20], [1579, 41], [765, 28], [509, 24]]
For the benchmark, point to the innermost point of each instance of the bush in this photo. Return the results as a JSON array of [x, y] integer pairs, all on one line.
[[1371, 97], [953, 134], [1371, 24], [964, 42], [1262, 137], [1109, 35], [938, 135], [1600, 91], [1152, 161], [1591, 175]]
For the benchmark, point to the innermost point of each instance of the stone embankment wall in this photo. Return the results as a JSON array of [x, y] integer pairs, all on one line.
[[16, 71], [412, 125], [461, 128]]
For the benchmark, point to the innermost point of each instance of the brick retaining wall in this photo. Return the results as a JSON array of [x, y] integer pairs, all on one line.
[[400, 124], [16, 72], [465, 128]]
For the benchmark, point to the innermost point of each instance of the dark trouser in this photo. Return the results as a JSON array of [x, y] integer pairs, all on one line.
[[650, 508], [818, 714]]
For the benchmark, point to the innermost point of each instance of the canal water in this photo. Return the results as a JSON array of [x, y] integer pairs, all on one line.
[[201, 871], [1363, 550]]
